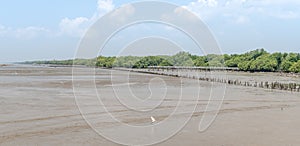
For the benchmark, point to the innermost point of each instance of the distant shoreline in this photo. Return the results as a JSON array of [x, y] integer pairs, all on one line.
[[284, 74], [3, 65], [268, 80], [257, 60]]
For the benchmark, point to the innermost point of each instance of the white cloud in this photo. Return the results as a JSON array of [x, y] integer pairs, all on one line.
[[24, 33], [288, 15], [236, 11], [242, 20], [77, 26], [181, 11], [239, 11], [105, 6], [31, 32], [205, 3], [3, 30], [275, 2], [203, 8], [74, 27], [122, 13]]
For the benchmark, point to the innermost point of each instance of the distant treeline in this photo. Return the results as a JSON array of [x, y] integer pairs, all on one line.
[[256, 61]]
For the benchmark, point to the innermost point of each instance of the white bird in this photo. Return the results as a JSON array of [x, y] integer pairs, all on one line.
[[152, 120]]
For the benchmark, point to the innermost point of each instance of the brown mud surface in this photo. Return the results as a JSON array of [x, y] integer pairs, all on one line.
[[38, 107]]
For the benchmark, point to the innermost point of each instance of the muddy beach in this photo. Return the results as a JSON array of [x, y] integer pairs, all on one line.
[[38, 107]]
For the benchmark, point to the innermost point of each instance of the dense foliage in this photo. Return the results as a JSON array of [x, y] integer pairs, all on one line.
[[260, 60], [257, 60]]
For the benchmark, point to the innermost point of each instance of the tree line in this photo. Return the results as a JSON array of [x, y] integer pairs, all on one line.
[[257, 60]]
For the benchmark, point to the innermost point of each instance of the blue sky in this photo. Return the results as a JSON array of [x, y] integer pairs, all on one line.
[[51, 29]]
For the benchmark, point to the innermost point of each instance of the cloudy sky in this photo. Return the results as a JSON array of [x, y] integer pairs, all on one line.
[[52, 29]]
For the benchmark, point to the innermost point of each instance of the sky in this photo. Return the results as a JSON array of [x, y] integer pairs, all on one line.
[[52, 29]]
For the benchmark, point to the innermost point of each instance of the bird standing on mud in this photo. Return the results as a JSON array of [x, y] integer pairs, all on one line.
[[152, 120]]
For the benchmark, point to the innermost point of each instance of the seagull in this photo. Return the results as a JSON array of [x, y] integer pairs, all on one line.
[[152, 120]]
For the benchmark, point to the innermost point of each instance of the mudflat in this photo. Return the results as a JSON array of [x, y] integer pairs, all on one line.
[[38, 107]]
